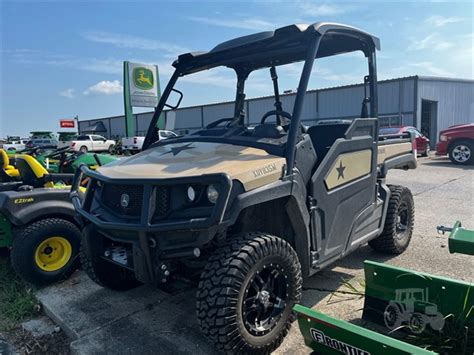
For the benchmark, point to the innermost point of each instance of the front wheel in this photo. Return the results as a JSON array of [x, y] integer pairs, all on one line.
[[426, 151], [46, 251], [111, 149], [399, 222], [462, 153], [246, 293]]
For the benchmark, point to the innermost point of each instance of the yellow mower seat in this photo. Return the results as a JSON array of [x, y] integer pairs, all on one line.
[[10, 170], [34, 174]]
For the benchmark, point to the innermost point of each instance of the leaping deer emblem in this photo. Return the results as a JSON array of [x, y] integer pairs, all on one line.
[[144, 79]]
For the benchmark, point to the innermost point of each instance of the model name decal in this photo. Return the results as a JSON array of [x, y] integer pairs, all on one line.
[[320, 337], [265, 170], [23, 200]]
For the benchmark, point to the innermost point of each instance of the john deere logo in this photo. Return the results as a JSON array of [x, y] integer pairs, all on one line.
[[143, 78], [124, 200]]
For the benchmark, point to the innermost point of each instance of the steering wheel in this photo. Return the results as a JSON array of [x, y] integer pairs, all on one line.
[[276, 113], [218, 122]]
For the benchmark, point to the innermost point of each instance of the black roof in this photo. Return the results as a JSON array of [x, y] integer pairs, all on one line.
[[99, 127], [282, 46]]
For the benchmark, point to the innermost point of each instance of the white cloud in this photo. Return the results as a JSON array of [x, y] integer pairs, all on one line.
[[440, 21], [432, 69], [316, 10], [433, 41], [105, 87], [69, 93], [254, 24], [135, 42]]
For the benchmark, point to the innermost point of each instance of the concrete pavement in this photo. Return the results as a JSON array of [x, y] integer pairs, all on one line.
[[147, 319]]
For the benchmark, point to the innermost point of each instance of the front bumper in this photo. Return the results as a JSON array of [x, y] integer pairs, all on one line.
[[442, 148], [150, 244], [84, 204]]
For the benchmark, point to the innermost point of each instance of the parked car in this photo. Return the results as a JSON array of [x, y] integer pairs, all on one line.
[[458, 143], [15, 145], [134, 144], [92, 143], [42, 143], [422, 142]]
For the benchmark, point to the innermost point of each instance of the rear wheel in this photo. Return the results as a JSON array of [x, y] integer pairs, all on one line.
[[246, 294], [399, 222], [46, 251], [462, 152], [101, 271], [111, 149], [83, 149]]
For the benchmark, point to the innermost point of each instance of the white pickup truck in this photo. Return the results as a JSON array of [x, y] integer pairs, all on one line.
[[15, 145], [135, 144], [92, 143]]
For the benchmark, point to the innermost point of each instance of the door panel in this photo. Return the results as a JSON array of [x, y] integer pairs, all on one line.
[[344, 190]]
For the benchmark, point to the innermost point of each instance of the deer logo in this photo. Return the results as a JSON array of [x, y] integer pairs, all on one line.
[[143, 78]]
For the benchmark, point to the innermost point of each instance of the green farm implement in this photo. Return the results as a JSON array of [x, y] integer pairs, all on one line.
[[420, 313]]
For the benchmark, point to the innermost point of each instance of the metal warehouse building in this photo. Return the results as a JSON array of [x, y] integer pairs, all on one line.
[[429, 103]]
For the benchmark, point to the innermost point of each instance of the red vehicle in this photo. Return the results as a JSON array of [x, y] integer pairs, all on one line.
[[422, 142], [458, 143]]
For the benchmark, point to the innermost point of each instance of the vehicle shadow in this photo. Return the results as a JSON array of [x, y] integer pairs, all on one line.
[[343, 279], [446, 163]]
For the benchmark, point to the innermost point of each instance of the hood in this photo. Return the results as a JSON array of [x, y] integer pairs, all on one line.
[[459, 127], [251, 166]]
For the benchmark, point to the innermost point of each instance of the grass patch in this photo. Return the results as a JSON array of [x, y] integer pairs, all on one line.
[[17, 301]]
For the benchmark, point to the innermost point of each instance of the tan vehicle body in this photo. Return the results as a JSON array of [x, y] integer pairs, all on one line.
[[251, 166]]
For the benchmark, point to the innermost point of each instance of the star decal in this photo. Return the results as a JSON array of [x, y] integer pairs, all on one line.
[[340, 171], [177, 150]]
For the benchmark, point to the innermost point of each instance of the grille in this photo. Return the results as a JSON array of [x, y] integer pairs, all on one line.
[[162, 203], [112, 196]]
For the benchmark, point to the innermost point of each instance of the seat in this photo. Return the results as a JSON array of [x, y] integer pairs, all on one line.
[[5, 165], [34, 174], [268, 130], [324, 135]]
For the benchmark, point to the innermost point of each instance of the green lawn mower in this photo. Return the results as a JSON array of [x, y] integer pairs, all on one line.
[[420, 313], [66, 160], [37, 221]]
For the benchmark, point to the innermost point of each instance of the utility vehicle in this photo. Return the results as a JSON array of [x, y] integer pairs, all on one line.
[[250, 211]]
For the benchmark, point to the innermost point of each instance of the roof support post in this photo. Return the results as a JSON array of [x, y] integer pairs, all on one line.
[[156, 116], [374, 107], [295, 127]]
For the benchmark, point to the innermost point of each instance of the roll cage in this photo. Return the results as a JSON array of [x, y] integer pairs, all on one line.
[[289, 44]]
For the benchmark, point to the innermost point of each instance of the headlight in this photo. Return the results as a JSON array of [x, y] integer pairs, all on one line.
[[212, 194], [443, 138], [191, 194]]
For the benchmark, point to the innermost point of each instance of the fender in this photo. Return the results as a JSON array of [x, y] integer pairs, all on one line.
[[22, 207], [293, 188]]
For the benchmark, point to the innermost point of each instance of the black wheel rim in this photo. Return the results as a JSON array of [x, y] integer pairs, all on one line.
[[265, 299], [402, 220]]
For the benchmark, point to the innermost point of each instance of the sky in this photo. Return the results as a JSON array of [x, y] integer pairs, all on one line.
[[65, 59]]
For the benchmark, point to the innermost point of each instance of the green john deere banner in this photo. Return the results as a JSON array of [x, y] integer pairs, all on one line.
[[141, 89]]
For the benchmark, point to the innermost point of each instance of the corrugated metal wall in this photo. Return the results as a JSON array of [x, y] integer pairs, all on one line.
[[455, 101], [399, 104]]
